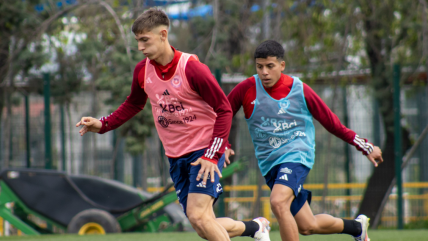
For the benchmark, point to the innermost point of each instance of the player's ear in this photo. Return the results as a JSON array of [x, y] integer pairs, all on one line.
[[282, 62], [164, 34]]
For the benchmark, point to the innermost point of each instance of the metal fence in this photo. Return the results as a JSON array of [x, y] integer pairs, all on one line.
[[336, 162]]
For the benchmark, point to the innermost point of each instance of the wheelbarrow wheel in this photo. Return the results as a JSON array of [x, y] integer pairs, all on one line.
[[93, 221]]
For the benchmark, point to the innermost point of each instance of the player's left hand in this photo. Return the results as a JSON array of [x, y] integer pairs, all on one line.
[[227, 153], [376, 156], [207, 168]]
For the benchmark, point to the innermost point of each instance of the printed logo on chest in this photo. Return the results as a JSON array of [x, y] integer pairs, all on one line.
[[282, 126], [169, 104]]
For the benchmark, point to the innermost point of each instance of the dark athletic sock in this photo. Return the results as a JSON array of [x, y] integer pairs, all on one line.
[[351, 227], [251, 228]]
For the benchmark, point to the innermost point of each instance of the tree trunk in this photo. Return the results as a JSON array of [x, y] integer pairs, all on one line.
[[425, 34], [383, 175], [8, 132], [4, 56], [379, 182], [278, 22], [214, 34], [424, 31], [8, 95], [138, 8]]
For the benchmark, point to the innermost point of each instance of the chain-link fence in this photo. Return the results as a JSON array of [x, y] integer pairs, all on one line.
[[336, 162]]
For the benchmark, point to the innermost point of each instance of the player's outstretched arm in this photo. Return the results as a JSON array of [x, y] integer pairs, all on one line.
[[375, 156], [89, 124]]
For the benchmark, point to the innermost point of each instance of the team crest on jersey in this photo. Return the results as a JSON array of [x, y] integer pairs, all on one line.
[[283, 105], [176, 81]]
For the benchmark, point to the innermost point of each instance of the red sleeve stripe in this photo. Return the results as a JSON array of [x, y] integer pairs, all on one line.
[[365, 146], [214, 148]]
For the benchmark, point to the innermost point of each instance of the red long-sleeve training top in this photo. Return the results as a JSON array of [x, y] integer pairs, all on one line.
[[245, 93], [200, 80]]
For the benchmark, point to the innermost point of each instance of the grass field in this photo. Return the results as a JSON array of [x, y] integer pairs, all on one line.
[[382, 235]]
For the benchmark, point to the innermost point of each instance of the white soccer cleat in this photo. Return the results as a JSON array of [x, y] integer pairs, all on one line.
[[364, 220], [263, 233]]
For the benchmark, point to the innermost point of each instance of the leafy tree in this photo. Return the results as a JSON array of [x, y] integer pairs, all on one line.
[[104, 54], [378, 34], [391, 32], [17, 56]]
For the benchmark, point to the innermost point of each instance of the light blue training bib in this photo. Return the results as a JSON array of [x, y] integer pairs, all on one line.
[[282, 130]]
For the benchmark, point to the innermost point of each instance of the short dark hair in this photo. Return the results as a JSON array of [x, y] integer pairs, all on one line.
[[269, 48], [150, 19]]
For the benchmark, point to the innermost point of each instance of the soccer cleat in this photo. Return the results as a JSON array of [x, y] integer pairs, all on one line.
[[263, 233], [364, 220]]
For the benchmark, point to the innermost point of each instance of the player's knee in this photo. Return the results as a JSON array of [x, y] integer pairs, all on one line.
[[198, 221], [194, 218], [280, 204]]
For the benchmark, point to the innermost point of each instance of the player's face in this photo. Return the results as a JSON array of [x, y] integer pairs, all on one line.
[[151, 42], [269, 70]]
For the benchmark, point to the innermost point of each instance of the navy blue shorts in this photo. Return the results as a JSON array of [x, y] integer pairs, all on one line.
[[292, 175], [184, 177]]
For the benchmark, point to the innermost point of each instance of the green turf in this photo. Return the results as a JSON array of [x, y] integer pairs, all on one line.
[[377, 235]]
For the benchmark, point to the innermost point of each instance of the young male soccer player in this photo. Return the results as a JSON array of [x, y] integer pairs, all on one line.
[[192, 117], [279, 110]]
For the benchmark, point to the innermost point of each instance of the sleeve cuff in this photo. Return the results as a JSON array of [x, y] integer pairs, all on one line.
[[104, 126], [363, 145], [210, 160]]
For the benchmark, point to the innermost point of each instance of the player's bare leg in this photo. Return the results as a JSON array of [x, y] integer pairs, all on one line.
[[280, 200], [258, 228], [319, 224], [326, 224], [201, 216], [234, 228]]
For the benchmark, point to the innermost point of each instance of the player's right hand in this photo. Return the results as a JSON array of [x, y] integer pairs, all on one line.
[[207, 169], [376, 156], [89, 124], [227, 153]]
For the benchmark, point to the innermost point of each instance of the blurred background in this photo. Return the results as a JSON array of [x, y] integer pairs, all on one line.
[[367, 59]]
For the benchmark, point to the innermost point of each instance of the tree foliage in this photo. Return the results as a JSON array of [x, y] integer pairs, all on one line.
[[92, 47]]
